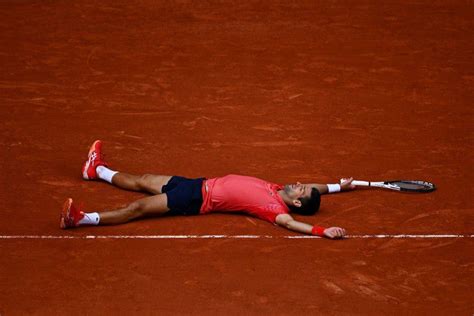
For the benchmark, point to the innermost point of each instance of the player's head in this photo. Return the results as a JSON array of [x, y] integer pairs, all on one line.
[[302, 199]]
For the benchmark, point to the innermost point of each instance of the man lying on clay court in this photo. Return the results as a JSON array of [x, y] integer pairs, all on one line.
[[174, 195]]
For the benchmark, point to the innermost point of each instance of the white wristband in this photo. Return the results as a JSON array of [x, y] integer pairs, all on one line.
[[333, 188]]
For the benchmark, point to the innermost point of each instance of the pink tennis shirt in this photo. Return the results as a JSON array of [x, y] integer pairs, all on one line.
[[234, 193]]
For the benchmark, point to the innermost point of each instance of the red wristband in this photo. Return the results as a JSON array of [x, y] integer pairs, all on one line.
[[318, 231]]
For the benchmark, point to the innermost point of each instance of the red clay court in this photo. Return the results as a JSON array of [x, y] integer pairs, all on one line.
[[310, 91]]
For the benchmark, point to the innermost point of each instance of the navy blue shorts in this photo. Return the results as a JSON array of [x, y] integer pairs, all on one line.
[[184, 195]]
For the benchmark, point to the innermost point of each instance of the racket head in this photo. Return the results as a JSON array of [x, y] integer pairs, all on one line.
[[413, 185]]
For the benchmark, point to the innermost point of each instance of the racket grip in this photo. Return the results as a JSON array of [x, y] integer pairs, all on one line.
[[361, 183]]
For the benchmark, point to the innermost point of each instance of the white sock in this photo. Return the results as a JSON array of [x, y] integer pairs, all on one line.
[[105, 173], [90, 219]]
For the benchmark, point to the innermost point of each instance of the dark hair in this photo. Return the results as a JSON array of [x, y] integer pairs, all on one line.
[[309, 205]]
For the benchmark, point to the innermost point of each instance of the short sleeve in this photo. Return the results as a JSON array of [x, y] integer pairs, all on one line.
[[276, 186], [270, 212]]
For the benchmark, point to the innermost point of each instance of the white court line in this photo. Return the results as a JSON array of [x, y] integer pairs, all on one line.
[[225, 236]]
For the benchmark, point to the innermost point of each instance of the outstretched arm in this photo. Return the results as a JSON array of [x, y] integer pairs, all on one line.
[[346, 185], [285, 220]]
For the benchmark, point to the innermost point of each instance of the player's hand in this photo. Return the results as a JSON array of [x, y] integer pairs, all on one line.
[[346, 184], [334, 232]]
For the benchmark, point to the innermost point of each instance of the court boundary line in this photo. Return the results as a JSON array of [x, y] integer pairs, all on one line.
[[373, 236]]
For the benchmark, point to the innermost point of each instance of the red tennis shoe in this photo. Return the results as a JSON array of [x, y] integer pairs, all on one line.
[[70, 215], [94, 159]]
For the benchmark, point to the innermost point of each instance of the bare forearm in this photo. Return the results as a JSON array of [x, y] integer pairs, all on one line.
[[322, 188], [285, 220], [299, 227], [345, 185]]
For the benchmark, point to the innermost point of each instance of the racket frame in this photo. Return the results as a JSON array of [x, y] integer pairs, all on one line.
[[390, 186]]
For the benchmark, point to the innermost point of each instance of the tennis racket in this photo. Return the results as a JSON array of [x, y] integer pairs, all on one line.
[[399, 185]]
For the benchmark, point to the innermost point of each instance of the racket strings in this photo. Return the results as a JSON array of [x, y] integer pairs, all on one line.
[[414, 185]]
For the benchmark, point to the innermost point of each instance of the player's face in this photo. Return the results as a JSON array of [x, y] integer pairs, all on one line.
[[298, 190]]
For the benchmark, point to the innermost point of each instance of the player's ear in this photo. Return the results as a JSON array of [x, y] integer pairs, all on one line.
[[297, 203]]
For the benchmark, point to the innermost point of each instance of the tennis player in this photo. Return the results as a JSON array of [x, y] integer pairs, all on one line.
[[175, 195]]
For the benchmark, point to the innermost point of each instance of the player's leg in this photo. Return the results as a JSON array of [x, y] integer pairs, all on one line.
[[182, 197], [148, 182], [150, 206], [95, 167]]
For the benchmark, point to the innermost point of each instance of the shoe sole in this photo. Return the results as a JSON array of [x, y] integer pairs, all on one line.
[[84, 171], [65, 213], [91, 150]]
